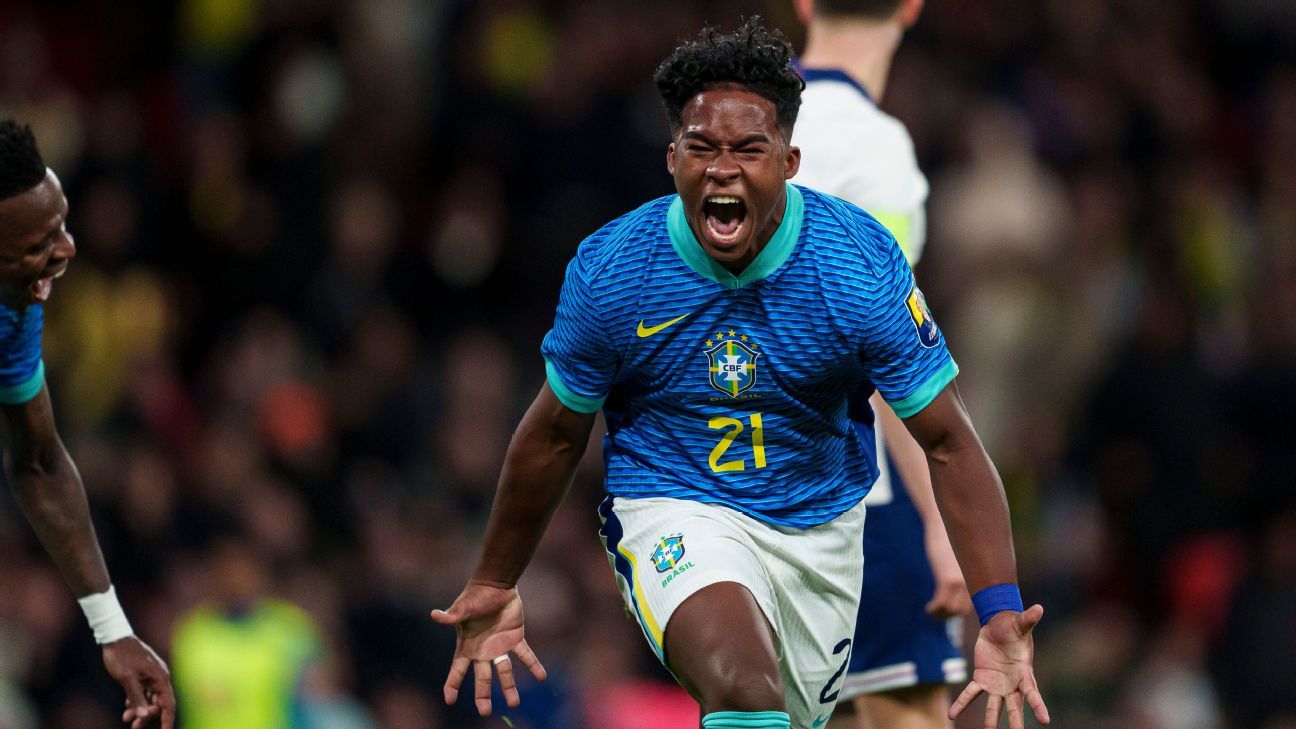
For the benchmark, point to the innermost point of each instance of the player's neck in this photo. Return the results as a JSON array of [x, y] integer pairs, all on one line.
[[863, 49]]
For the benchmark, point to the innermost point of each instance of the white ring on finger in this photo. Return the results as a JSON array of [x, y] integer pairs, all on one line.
[[500, 659]]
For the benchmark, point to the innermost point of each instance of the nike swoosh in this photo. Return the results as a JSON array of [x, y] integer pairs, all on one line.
[[644, 331], [818, 722]]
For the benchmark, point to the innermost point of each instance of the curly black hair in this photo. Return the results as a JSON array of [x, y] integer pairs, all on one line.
[[21, 165], [753, 57]]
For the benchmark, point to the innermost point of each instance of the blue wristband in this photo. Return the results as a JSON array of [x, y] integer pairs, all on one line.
[[996, 599]]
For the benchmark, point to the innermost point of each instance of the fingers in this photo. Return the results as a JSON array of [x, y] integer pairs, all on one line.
[[1026, 621], [1016, 711], [968, 695], [446, 617], [138, 708], [528, 658], [1036, 701], [504, 667], [994, 705], [458, 669], [482, 686], [165, 700]]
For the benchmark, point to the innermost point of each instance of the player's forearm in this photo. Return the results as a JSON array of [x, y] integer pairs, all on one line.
[[50, 493], [975, 513], [538, 470]]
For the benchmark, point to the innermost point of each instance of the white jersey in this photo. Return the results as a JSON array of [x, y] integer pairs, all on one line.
[[852, 149]]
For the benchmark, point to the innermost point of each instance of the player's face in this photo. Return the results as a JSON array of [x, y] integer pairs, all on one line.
[[730, 163], [35, 246]]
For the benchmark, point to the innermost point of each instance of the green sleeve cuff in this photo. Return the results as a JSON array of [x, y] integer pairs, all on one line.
[[21, 393], [923, 396], [579, 403]]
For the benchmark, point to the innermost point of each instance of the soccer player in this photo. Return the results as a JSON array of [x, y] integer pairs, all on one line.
[[35, 248], [722, 331], [906, 645]]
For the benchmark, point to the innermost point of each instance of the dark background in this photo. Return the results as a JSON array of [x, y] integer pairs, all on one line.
[[319, 243]]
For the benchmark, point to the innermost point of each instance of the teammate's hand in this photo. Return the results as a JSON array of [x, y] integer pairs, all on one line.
[[149, 699], [489, 625], [1003, 669], [950, 598]]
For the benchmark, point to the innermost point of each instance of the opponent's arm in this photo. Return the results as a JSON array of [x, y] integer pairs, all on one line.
[[48, 488], [538, 469], [975, 512], [950, 596]]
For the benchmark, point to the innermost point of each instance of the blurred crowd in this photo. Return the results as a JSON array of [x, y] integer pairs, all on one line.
[[320, 241]]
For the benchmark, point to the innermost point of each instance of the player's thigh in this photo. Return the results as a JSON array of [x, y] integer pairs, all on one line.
[[925, 706], [720, 646]]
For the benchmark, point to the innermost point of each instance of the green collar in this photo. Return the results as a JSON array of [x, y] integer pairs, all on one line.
[[766, 262]]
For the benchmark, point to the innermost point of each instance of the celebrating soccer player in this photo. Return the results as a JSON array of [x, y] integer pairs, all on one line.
[[723, 331], [35, 248], [906, 636]]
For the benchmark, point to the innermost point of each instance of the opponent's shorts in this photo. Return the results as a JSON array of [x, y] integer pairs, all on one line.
[[806, 581], [897, 644]]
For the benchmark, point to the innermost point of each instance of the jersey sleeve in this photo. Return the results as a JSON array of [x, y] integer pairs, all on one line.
[[903, 351], [22, 372], [580, 361]]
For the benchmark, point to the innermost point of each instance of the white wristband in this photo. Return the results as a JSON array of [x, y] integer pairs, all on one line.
[[105, 616]]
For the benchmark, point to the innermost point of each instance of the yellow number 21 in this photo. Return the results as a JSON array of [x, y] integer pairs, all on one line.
[[735, 428]]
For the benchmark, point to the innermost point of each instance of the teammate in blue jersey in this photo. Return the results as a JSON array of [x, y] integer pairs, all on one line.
[[906, 649], [35, 248], [722, 332]]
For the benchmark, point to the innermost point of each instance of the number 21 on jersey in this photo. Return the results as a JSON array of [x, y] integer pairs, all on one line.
[[733, 428]]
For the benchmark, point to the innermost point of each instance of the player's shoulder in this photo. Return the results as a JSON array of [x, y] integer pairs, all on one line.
[[619, 245], [838, 224]]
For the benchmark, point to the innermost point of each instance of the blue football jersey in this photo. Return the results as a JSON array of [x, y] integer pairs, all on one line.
[[21, 370], [732, 389]]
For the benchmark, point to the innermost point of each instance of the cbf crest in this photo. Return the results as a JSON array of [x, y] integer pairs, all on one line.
[[731, 359], [669, 552]]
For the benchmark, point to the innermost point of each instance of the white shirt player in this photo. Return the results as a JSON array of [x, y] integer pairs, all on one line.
[[852, 149]]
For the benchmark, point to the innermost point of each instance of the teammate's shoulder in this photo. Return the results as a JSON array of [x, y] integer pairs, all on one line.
[[606, 245], [831, 218]]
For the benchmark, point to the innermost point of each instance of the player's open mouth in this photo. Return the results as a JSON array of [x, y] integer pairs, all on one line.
[[40, 290], [726, 217]]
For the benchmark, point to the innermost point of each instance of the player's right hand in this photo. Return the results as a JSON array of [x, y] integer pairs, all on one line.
[[150, 701], [488, 623]]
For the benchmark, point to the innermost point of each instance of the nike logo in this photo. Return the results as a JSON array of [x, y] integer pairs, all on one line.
[[818, 722], [644, 331]]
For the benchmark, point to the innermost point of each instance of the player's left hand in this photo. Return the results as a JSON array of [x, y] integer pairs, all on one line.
[[950, 598], [150, 700], [1003, 668]]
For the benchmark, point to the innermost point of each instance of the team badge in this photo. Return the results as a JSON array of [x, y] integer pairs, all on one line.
[[928, 334], [732, 363], [669, 552]]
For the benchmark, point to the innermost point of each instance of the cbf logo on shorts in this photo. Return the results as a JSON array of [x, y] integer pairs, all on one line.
[[928, 334], [731, 359], [669, 552]]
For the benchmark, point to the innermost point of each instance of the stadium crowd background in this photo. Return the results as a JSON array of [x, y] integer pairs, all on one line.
[[320, 240]]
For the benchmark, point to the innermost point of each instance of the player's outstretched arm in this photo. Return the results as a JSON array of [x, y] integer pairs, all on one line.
[[48, 488], [950, 596], [487, 615], [975, 513]]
